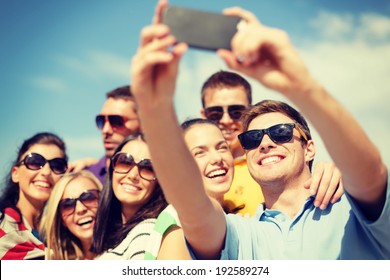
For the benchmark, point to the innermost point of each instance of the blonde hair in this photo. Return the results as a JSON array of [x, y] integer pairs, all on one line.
[[61, 244]]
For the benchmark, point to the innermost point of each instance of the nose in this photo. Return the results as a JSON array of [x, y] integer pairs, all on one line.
[[133, 174], [226, 119], [215, 157], [79, 207], [266, 143], [46, 170], [107, 128]]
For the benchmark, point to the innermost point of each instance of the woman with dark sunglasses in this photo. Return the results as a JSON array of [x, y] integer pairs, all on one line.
[[69, 217], [130, 202], [40, 163]]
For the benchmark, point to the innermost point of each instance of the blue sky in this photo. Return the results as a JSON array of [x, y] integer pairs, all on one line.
[[59, 58]]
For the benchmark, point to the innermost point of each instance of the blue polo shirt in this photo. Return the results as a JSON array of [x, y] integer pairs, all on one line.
[[338, 232]]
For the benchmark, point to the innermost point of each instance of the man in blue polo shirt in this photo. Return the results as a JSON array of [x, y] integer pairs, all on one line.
[[279, 152]]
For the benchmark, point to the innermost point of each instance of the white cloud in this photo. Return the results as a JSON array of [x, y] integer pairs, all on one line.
[[49, 84], [97, 65], [332, 25], [375, 26]]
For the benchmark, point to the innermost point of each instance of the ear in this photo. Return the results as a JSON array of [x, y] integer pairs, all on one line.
[[310, 151], [15, 174], [203, 115]]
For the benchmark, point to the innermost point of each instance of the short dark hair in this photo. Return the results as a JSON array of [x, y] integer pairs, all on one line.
[[273, 106], [123, 92], [226, 79]]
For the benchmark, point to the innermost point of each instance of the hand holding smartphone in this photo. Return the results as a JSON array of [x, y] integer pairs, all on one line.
[[200, 29]]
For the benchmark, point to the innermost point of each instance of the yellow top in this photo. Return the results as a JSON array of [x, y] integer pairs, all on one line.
[[244, 190]]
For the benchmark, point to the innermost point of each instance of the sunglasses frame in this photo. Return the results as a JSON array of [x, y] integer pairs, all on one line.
[[114, 160], [221, 109], [30, 155], [74, 201], [266, 131], [109, 119]]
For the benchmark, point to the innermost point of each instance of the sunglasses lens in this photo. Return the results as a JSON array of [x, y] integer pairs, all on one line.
[[146, 170], [281, 133], [58, 165], [90, 198], [34, 161], [123, 163], [236, 111], [251, 139], [100, 121], [67, 206], [116, 121], [214, 113]]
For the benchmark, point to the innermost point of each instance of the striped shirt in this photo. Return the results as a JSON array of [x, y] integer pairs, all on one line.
[[134, 245], [167, 218], [17, 241]]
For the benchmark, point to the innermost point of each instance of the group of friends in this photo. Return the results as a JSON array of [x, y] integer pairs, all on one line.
[[236, 183]]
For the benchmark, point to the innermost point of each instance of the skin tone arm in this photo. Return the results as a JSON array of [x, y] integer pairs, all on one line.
[[153, 75], [173, 246], [81, 164], [269, 57]]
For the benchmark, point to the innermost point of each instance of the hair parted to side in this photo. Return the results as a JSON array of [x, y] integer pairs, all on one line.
[[187, 124], [61, 244], [226, 79], [10, 195], [273, 106]]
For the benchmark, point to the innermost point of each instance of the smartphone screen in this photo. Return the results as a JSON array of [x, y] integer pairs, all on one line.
[[200, 29]]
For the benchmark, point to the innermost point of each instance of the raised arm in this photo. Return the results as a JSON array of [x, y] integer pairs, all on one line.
[[153, 77], [267, 55]]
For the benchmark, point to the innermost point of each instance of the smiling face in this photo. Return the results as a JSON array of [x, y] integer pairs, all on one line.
[[129, 188], [36, 185], [213, 157], [80, 223], [278, 163]]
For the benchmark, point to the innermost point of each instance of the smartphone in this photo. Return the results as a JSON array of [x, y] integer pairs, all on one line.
[[200, 29]]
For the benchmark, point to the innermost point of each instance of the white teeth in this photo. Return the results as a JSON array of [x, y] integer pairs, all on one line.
[[215, 173], [42, 184], [269, 160], [129, 187], [85, 221]]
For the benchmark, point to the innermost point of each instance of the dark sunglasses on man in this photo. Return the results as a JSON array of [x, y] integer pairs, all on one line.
[[34, 161], [215, 113], [89, 199], [280, 133], [123, 163], [116, 121]]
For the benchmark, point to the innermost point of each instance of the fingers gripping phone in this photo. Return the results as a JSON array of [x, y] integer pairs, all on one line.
[[200, 29]]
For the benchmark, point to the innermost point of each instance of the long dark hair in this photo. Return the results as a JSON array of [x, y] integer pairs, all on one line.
[[10, 195], [109, 230]]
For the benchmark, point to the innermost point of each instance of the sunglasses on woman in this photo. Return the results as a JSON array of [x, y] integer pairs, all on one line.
[[215, 113], [116, 121], [123, 163], [89, 199], [34, 161], [280, 133]]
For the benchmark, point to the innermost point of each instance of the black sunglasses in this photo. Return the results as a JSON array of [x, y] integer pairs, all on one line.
[[34, 161], [116, 121], [89, 199], [123, 163], [280, 133], [215, 113]]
